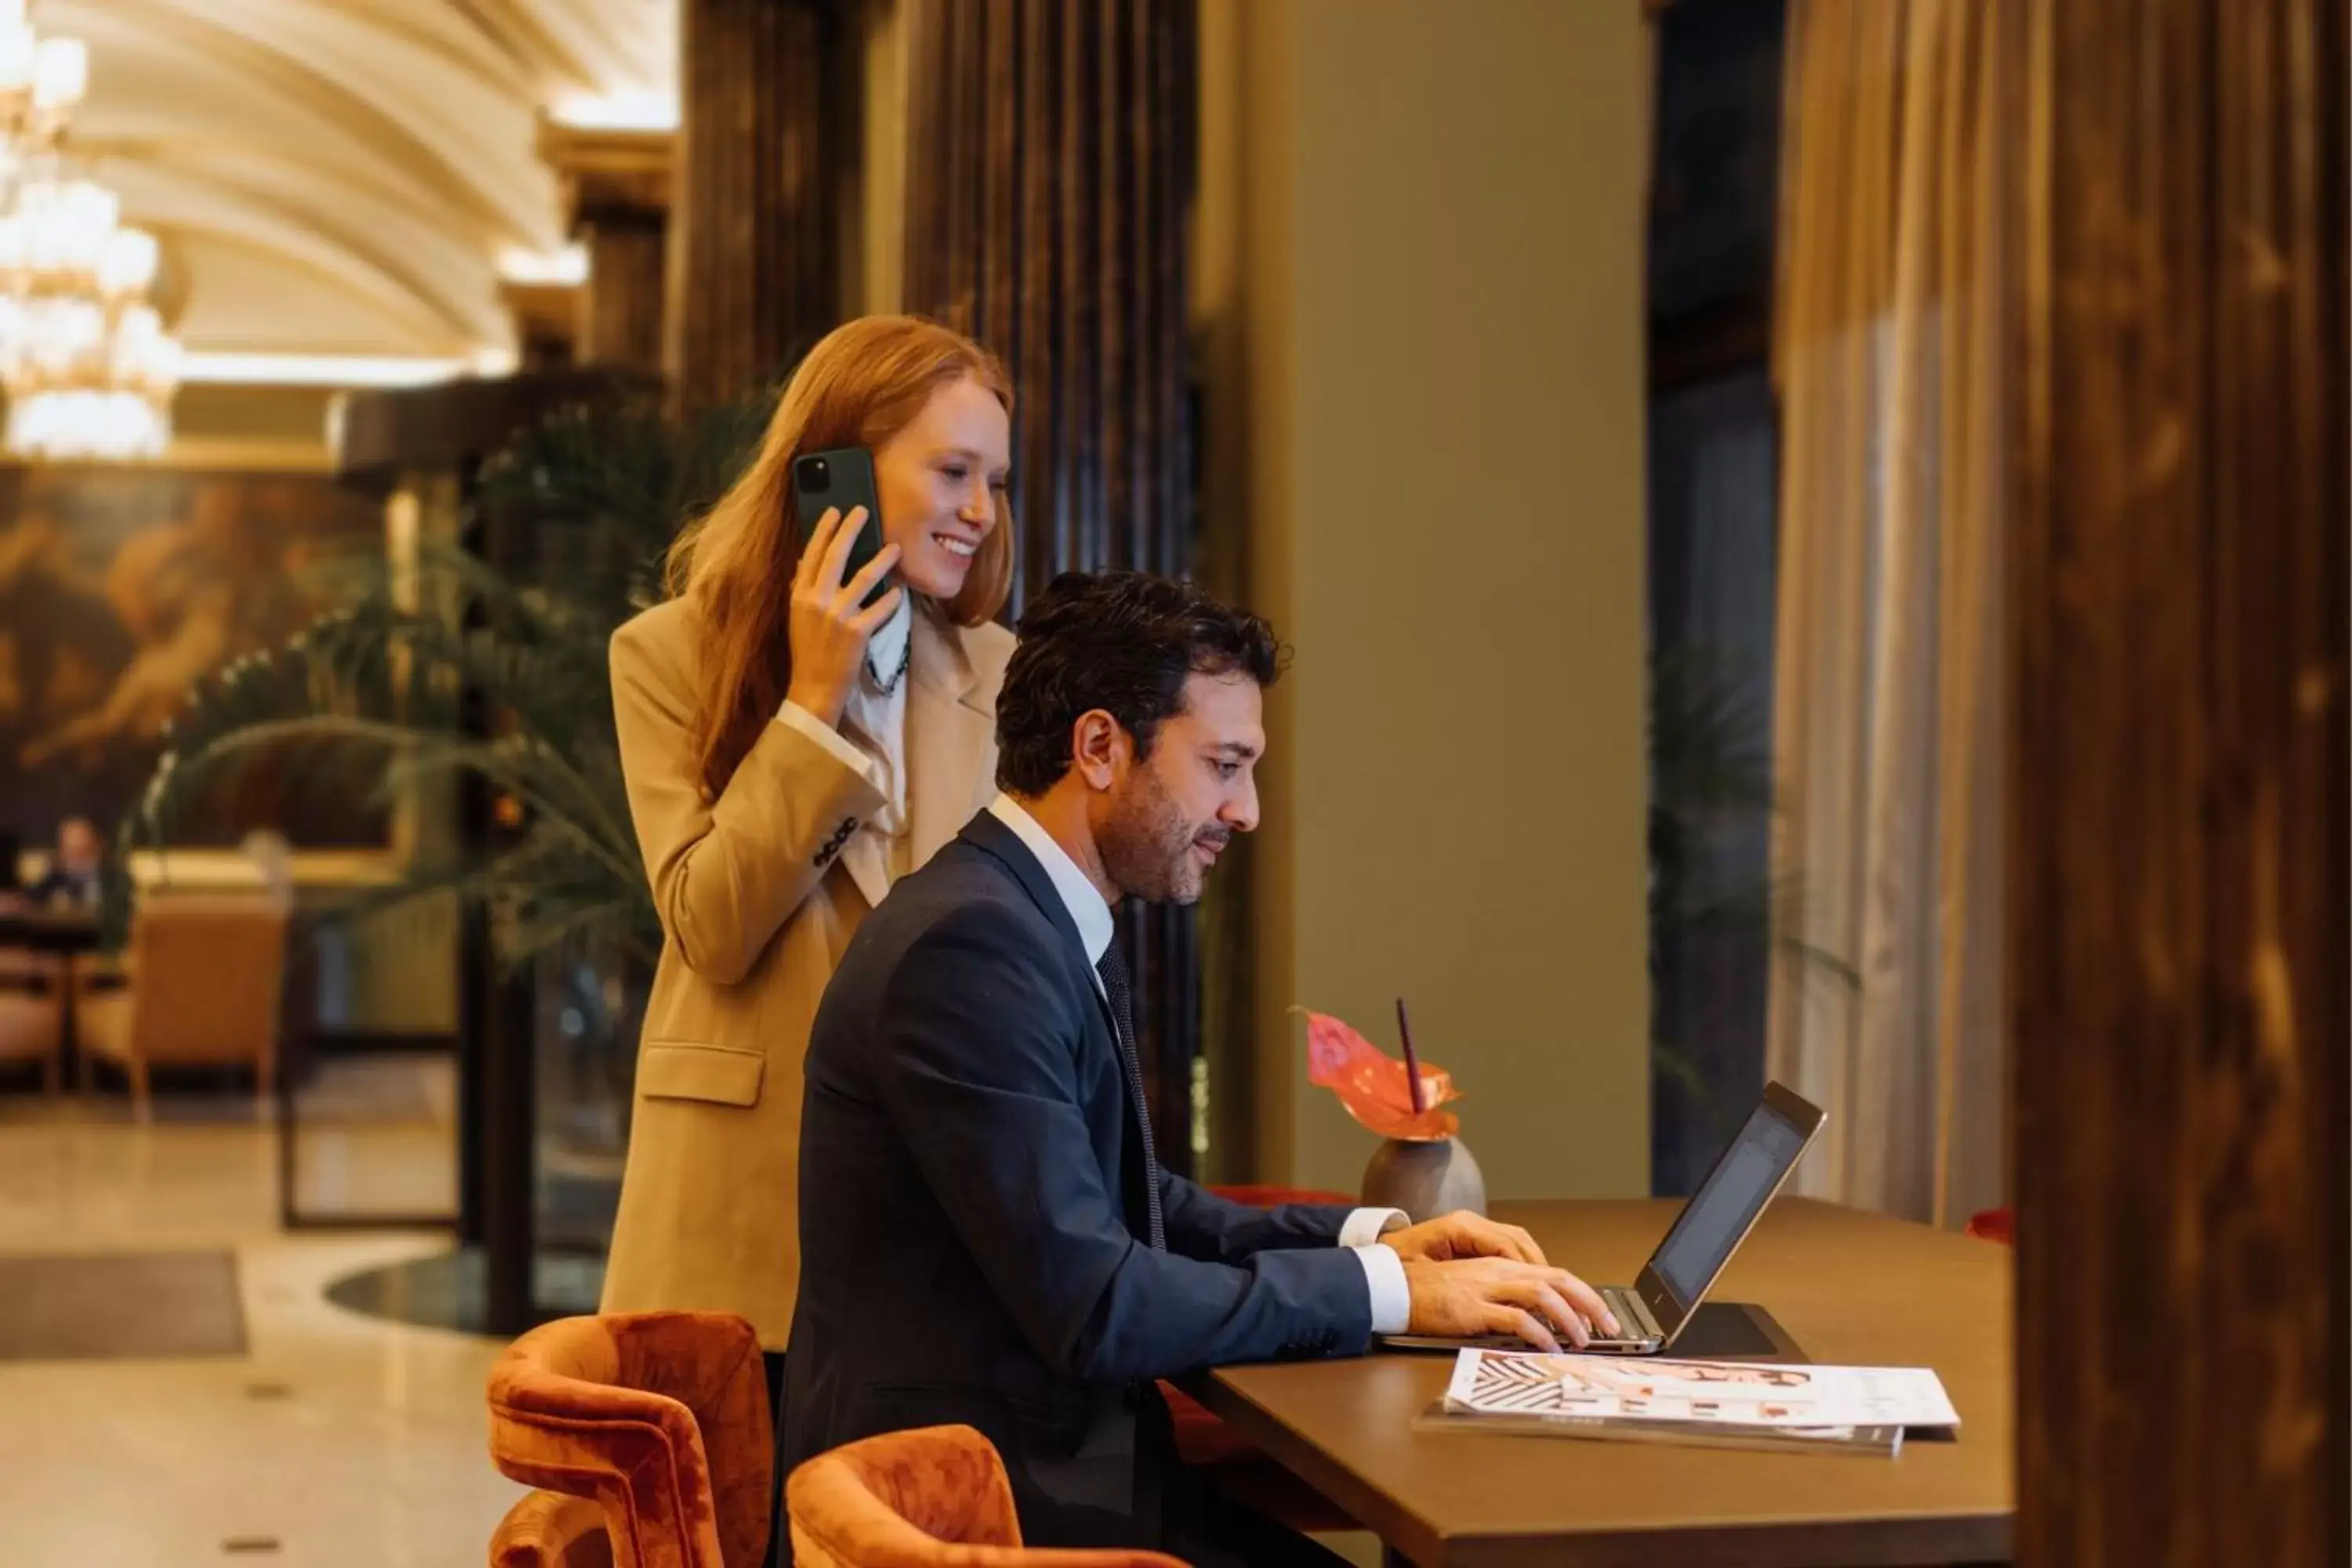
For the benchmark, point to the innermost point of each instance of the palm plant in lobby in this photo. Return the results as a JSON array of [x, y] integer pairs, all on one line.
[[424, 675]]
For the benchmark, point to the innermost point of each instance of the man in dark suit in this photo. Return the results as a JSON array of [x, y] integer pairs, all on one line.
[[986, 1236], [75, 870]]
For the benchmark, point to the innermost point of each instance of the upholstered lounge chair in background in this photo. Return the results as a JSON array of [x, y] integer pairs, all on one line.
[[205, 973]]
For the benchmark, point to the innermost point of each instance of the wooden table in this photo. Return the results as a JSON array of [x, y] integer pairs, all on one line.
[[1849, 1287], [64, 932]]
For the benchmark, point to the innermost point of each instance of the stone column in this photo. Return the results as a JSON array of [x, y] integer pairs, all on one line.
[[621, 305], [545, 322], [616, 191], [1048, 163], [769, 92]]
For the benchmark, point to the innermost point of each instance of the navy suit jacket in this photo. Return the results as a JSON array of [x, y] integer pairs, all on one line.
[[971, 1208]]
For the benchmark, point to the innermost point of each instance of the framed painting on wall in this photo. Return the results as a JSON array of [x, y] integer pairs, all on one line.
[[121, 588]]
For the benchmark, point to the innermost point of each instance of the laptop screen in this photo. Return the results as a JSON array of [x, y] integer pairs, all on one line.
[[1720, 1212]]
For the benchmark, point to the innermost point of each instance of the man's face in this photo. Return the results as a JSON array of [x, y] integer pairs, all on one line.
[[77, 846], [1171, 814]]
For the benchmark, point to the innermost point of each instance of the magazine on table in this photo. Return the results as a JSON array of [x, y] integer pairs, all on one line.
[[1885, 1441], [1659, 1398]]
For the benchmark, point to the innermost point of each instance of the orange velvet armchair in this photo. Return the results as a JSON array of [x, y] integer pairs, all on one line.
[[660, 1417], [934, 1498], [549, 1530]]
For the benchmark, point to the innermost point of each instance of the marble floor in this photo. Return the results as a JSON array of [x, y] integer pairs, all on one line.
[[337, 1441]]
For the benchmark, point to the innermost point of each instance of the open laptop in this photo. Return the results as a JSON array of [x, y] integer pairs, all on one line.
[[1713, 1224]]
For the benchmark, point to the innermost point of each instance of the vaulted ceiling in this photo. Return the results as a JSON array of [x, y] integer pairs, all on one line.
[[349, 176]]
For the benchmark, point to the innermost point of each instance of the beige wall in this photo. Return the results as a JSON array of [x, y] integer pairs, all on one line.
[[1420, 297]]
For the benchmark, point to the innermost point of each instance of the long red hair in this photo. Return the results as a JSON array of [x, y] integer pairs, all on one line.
[[865, 381]]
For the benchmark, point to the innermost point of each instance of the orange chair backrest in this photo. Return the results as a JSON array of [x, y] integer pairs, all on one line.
[[933, 1497], [662, 1417]]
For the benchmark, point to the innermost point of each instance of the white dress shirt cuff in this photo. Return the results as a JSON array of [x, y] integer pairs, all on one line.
[[832, 740], [1366, 1227], [1391, 1297]]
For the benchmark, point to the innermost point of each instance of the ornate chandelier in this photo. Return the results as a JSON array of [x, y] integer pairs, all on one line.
[[88, 369]]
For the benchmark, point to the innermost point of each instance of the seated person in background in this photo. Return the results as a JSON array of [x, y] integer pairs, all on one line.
[[75, 875], [986, 1236]]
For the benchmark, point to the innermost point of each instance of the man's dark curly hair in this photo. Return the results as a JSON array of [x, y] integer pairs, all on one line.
[[1123, 642]]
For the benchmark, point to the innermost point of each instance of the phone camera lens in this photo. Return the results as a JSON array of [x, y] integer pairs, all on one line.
[[816, 473]]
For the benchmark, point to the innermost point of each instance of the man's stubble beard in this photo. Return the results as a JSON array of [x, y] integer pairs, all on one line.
[[1148, 852]]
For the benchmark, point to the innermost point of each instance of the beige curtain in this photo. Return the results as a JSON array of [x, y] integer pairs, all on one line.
[[1889, 363]]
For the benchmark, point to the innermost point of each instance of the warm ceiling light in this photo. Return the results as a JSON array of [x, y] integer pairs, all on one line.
[[18, 51], [60, 74], [566, 265], [637, 111], [128, 264], [88, 369]]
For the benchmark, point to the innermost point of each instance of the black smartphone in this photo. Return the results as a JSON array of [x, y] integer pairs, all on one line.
[[842, 479]]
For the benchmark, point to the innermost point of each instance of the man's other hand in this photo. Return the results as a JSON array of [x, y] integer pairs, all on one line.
[[1548, 1308]]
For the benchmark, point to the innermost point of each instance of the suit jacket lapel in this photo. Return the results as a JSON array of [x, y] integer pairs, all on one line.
[[986, 833], [948, 733]]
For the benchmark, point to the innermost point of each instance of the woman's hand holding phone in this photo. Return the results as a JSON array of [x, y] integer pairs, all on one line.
[[828, 631]]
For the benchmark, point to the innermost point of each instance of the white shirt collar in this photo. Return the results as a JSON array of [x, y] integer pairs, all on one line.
[[1084, 902], [887, 644]]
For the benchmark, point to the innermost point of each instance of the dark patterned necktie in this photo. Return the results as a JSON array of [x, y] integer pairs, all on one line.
[[1113, 970]]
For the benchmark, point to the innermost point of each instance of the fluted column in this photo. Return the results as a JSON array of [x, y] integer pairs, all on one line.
[[620, 303], [1049, 163], [768, 96]]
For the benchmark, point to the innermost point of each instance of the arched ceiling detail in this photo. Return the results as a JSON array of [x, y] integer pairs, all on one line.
[[378, 153]]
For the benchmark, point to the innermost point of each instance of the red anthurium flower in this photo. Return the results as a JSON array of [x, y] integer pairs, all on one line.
[[1371, 1084]]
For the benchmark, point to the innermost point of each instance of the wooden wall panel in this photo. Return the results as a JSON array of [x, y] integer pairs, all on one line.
[[1049, 168], [2179, 889]]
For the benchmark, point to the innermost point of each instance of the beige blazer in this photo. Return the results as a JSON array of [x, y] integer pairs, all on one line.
[[756, 908]]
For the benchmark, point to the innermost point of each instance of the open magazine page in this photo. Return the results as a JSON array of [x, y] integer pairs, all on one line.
[[1741, 1393]]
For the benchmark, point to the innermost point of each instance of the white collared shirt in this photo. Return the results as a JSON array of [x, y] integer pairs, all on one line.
[[1084, 902], [1383, 1269], [872, 741]]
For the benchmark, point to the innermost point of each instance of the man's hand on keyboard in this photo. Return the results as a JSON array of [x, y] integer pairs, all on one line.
[[1467, 1297], [1462, 1235]]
